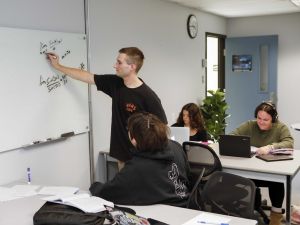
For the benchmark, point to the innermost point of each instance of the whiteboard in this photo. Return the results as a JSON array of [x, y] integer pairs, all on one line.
[[38, 102]]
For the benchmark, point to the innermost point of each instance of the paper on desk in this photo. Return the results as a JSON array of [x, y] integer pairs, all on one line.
[[6, 194], [17, 191], [85, 202], [207, 218], [58, 190], [66, 198], [25, 190]]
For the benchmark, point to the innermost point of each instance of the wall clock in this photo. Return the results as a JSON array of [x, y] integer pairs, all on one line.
[[192, 26]]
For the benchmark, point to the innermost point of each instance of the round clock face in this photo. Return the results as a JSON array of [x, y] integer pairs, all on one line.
[[192, 26]]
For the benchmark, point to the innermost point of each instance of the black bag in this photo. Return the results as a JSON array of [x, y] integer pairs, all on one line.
[[59, 214]]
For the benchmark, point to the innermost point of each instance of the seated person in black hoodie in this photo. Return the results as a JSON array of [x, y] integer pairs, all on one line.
[[157, 173]]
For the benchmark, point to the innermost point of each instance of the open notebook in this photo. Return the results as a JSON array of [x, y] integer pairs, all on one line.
[[85, 202]]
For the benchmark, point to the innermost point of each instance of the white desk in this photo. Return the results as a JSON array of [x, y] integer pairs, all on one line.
[[177, 216], [21, 211], [254, 168]]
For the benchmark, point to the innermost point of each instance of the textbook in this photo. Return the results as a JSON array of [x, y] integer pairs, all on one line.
[[84, 202]]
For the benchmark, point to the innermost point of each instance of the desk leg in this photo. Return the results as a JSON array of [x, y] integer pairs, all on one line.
[[288, 198], [105, 167]]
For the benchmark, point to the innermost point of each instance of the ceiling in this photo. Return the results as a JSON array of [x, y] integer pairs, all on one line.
[[241, 8]]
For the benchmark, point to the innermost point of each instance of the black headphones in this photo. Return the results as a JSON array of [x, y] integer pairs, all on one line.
[[268, 107]]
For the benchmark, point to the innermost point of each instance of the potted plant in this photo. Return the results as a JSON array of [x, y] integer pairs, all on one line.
[[214, 109]]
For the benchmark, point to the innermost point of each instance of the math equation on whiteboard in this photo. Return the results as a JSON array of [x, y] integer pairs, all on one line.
[[53, 82]]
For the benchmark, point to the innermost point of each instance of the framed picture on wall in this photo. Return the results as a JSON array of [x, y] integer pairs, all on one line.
[[241, 63]]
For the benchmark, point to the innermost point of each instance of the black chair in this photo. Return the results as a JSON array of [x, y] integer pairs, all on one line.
[[203, 162], [229, 194], [201, 156]]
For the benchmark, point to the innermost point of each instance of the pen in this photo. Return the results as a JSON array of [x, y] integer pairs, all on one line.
[[28, 175], [212, 223]]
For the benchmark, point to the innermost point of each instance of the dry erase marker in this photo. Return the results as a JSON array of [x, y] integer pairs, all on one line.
[[54, 57], [28, 175]]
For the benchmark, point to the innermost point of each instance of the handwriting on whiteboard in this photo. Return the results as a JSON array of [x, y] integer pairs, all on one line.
[[49, 46], [53, 82]]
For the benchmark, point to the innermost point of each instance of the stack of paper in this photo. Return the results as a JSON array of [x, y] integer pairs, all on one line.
[[282, 151]]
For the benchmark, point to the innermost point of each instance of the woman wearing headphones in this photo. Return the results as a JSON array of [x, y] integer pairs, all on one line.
[[267, 133]]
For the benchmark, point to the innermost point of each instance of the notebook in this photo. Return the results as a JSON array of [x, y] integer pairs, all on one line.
[[272, 158], [180, 134], [235, 145]]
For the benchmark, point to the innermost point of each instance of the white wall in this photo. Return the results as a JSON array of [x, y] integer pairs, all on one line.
[[172, 66], [287, 28], [60, 163]]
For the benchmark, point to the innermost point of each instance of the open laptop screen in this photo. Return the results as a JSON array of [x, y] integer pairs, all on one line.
[[235, 145], [180, 134]]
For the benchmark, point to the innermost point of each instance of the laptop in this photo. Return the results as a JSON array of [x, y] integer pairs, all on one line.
[[235, 145], [180, 134]]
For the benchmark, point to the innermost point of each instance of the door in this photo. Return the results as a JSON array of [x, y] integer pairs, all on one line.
[[215, 61], [250, 76]]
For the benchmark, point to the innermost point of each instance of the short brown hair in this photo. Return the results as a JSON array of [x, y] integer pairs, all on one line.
[[135, 56], [149, 132]]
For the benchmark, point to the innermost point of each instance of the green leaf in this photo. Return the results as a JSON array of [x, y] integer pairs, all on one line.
[[214, 109]]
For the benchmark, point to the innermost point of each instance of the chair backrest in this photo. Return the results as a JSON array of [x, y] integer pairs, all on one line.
[[201, 156], [229, 194], [203, 162]]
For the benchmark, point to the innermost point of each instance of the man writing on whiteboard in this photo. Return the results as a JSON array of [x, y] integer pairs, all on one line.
[[128, 92]]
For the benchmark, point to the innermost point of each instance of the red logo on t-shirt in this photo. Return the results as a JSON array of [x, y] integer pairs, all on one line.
[[130, 107]]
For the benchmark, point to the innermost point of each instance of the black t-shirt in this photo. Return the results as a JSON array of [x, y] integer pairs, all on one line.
[[199, 136], [125, 102]]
